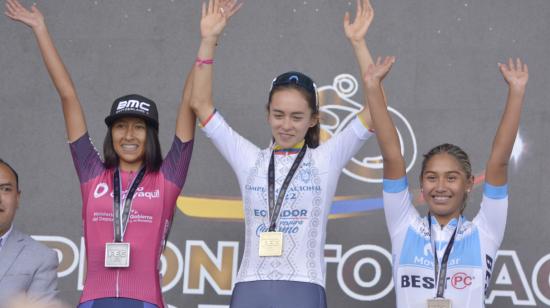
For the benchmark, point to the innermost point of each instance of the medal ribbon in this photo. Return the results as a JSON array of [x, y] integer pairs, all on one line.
[[120, 224], [441, 277], [275, 208]]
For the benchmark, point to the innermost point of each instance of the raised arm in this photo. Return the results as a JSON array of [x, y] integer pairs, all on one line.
[[386, 133], [356, 32], [214, 18], [516, 75], [72, 110], [185, 123]]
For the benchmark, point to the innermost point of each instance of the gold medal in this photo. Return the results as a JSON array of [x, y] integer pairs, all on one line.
[[271, 244], [117, 254], [439, 302]]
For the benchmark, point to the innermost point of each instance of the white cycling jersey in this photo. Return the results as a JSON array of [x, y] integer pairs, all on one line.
[[306, 205], [470, 262]]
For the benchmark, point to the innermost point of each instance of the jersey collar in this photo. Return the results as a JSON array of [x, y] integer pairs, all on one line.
[[292, 150], [451, 224]]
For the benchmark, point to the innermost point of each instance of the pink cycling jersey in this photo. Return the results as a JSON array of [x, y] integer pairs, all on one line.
[[150, 217]]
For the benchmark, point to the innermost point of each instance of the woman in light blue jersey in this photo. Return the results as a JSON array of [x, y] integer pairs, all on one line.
[[444, 260]]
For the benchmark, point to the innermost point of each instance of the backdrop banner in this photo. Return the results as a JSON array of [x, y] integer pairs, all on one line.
[[444, 87]]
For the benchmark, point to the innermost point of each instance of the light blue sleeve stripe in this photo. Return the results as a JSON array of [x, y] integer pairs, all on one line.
[[495, 192], [395, 186]]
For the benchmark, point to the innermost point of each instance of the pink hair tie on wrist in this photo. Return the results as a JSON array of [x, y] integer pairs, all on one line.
[[200, 61]]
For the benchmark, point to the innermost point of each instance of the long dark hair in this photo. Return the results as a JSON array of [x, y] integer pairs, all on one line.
[[153, 153], [313, 133]]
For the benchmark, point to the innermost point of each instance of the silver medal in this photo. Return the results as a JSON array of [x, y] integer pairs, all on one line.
[[117, 254]]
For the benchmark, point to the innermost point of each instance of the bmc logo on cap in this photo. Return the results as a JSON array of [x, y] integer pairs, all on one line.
[[133, 104]]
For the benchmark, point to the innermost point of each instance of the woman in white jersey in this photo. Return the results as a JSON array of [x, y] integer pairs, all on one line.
[[288, 188], [444, 260]]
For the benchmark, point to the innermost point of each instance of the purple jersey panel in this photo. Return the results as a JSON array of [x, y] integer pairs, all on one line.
[[86, 159], [176, 163]]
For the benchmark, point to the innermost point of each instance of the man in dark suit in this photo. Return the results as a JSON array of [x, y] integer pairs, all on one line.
[[26, 266]]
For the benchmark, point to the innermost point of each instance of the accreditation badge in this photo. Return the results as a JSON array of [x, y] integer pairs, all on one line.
[[271, 244], [117, 254], [439, 303]]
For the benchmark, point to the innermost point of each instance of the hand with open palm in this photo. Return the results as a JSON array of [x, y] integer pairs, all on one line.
[[215, 16], [356, 30], [32, 18], [376, 72], [516, 74]]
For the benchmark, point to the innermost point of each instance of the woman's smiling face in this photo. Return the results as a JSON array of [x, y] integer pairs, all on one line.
[[129, 136], [290, 117], [445, 185]]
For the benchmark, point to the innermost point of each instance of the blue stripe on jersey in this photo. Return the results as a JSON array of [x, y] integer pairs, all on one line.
[[495, 192], [395, 186], [417, 250]]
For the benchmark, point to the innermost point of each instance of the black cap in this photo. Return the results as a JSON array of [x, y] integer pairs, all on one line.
[[299, 79], [134, 105]]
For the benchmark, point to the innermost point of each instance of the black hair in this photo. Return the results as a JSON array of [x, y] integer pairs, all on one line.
[[3, 162], [313, 134], [153, 153]]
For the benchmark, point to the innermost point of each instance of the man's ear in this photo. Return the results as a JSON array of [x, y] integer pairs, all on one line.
[[18, 199]]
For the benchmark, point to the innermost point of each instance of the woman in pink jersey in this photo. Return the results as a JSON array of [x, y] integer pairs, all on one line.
[[444, 260], [129, 198]]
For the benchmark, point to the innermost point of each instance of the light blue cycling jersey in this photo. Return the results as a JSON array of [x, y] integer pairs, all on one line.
[[472, 256]]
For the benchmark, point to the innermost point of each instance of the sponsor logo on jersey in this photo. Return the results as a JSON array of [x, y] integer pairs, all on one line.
[[461, 281], [466, 252], [283, 214], [488, 272], [102, 189], [288, 227], [458, 281], [289, 221], [417, 281], [135, 216]]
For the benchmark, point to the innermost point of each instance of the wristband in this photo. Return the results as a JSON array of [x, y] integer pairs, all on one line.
[[203, 124], [200, 61]]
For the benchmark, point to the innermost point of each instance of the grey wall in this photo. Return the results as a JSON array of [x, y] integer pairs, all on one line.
[[445, 83]]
